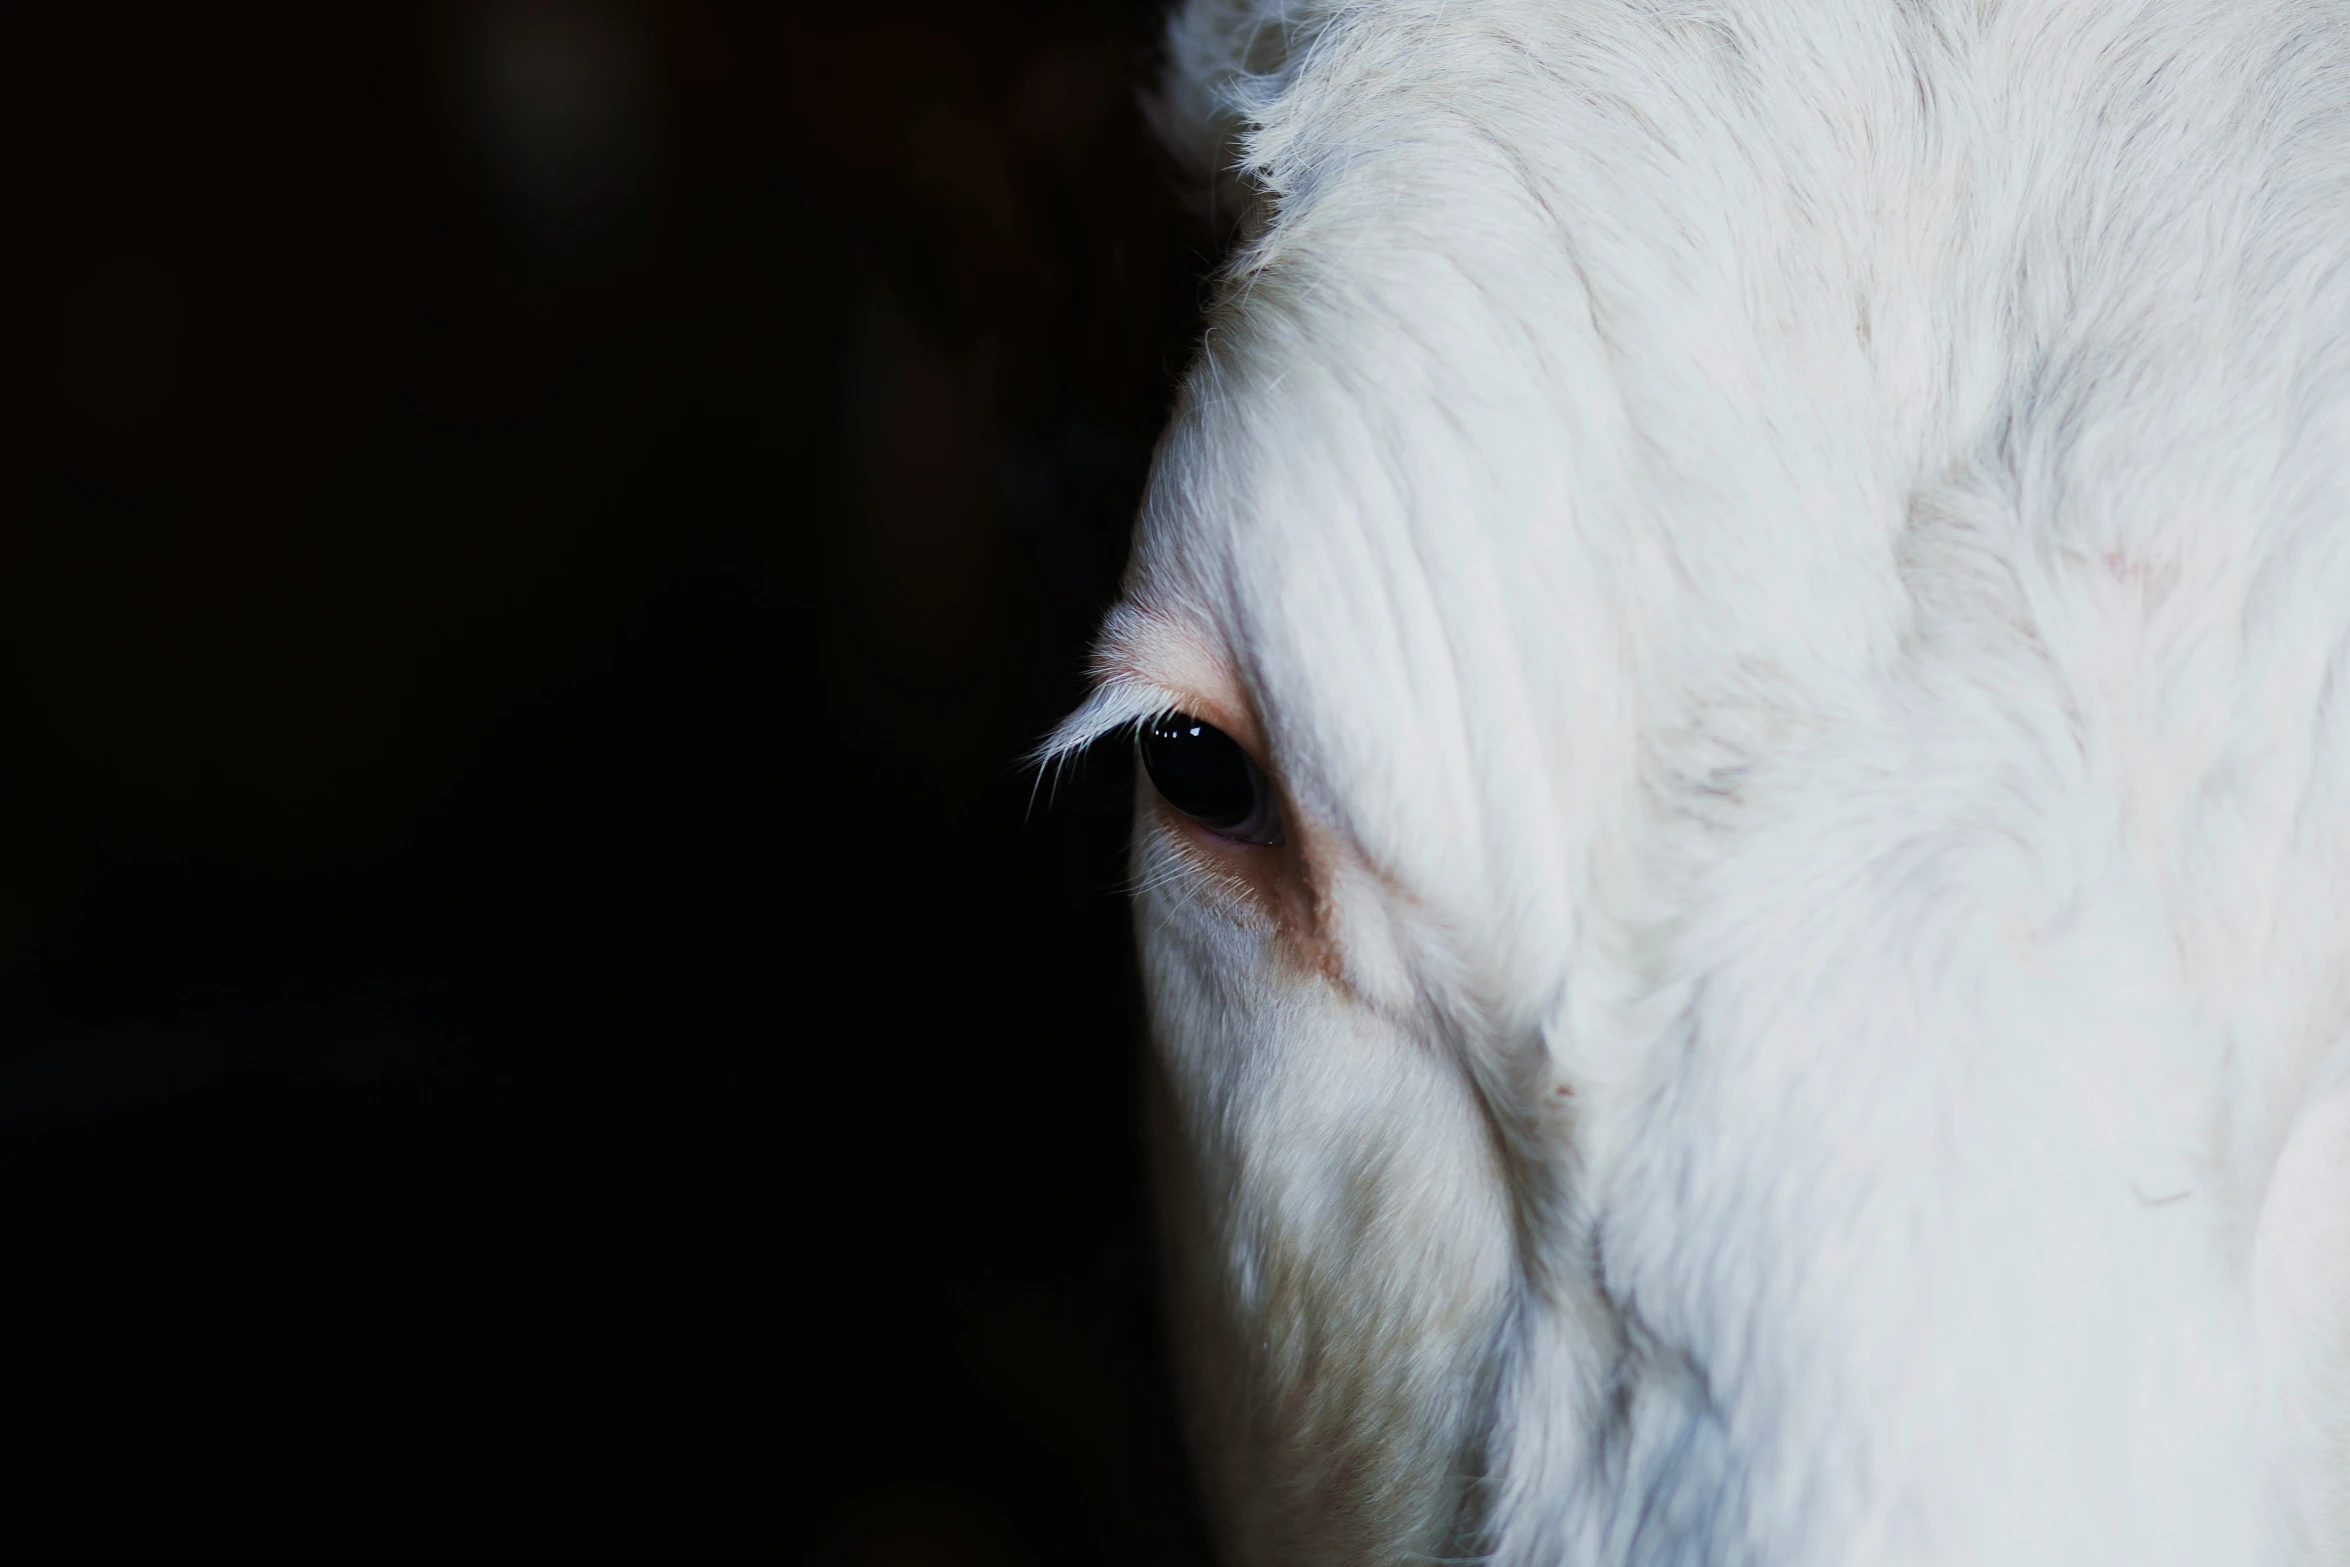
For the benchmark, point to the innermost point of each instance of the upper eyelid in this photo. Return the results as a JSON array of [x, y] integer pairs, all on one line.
[[1263, 764], [1116, 706], [1147, 662]]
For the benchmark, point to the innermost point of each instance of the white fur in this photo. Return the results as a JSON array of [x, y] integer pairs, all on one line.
[[1793, 561]]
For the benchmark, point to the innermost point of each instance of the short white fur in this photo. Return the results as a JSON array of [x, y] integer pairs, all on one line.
[[1798, 556]]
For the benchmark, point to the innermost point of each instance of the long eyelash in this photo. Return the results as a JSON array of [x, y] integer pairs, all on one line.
[[1050, 763], [1121, 706], [1178, 870]]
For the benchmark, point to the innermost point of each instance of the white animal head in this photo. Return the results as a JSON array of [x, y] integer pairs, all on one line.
[[1785, 567]]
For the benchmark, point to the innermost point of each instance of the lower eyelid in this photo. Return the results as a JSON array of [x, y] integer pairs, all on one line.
[[1174, 821], [1196, 870]]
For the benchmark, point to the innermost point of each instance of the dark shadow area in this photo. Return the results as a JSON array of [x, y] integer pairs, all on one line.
[[537, 1018]]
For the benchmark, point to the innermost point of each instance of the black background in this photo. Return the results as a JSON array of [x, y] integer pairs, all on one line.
[[536, 1020]]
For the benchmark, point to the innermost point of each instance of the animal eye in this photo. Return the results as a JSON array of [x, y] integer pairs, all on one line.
[[1203, 774]]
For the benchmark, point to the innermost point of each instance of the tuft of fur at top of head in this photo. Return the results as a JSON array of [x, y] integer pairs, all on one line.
[[1226, 60]]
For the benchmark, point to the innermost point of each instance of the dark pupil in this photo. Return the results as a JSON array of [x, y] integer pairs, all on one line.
[[1200, 771]]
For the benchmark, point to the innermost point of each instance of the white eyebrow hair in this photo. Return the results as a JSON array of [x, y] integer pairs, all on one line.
[[1133, 640]]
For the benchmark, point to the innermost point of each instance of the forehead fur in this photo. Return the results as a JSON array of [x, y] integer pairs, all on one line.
[[1443, 445], [1566, 322]]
